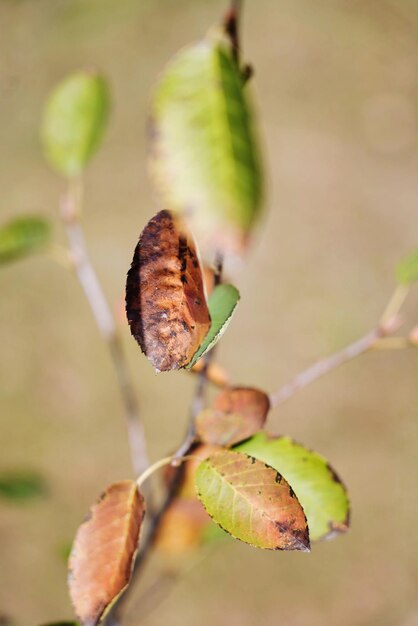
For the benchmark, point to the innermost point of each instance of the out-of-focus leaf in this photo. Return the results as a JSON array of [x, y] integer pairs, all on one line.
[[215, 373], [104, 549], [237, 414], [182, 528], [165, 300], [222, 303], [319, 489], [21, 485], [407, 270], [22, 236], [60, 624], [252, 502], [205, 158], [74, 121]]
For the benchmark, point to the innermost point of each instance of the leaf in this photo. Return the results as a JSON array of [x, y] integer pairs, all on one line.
[[22, 236], [182, 528], [407, 270], [215, 373], [252, 502], [74, 121], [222, 303], [21, 485], [104, 549], [237, 414], [204, 157], [319, 489], [165, 300]]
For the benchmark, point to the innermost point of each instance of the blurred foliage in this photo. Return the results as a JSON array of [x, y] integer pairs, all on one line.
[[21, 485], [22, 236]]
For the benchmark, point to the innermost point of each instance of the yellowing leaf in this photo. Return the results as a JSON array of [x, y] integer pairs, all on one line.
[[22, 236], [74, 121], [252, 502], [319, 489], [205, 157], [104, 549], [237, 414], [165, 300]]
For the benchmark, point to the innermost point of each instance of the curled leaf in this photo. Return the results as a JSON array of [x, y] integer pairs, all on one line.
[[104, 549], [319, 489], [252, 502], [237, 414], [22, 236], [222, 303], [205, 158], [165, 300], [74, 121]]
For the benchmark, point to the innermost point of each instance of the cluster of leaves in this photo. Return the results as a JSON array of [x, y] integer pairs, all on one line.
[[265, 490]]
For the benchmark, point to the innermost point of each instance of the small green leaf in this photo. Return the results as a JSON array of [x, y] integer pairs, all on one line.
[[320, 491], [205, 158], [222, 302], [407, 270], [252, 502], [74, 121], [22, 236], [21, 485]]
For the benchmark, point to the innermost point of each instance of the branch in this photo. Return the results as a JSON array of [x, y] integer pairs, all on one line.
[[330, 363], [70, 207]]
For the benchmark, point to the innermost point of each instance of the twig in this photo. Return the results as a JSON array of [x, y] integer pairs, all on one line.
[[231, 25], [326, 365], [70, 209]]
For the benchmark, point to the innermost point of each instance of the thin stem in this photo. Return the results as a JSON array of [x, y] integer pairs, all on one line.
[[395, 303], [330, 363], [231, 25], [87, 277], [158, 465]]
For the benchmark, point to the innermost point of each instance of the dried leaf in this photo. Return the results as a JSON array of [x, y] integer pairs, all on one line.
[[165, 300], [205, 158], [74, 121], [222, 303], [104, 549], [319, 489], [252, 502], [22, 236], [182, 528], [237, 414]]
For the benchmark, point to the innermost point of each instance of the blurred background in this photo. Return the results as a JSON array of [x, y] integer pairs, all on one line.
[[336, 88]]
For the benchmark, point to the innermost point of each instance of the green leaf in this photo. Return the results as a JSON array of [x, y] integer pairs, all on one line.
[[205, 157], [407, 270], [320, 491], [252, 502], [222, 303], [22, 236], [74, 121], [21, 485]]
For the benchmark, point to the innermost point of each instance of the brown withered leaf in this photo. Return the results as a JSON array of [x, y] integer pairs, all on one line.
[[103, 552], [165, 299], [237, 414], [182, 527]]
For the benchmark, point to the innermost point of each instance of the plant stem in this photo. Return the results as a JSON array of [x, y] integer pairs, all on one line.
[[231, 25], [328, 364], [87, 277]]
